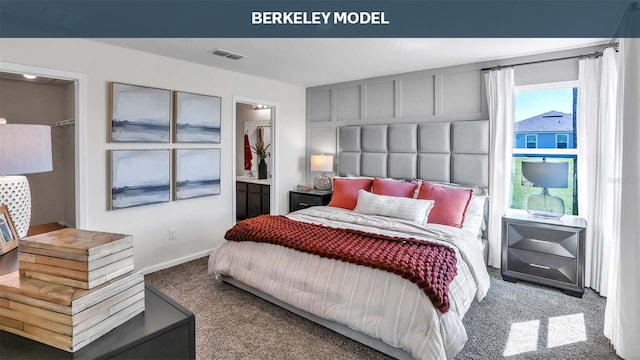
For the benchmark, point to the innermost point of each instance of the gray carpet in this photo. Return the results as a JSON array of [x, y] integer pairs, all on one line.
[[232, 324]]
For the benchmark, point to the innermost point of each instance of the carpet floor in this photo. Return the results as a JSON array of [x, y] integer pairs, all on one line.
[[514, 321]]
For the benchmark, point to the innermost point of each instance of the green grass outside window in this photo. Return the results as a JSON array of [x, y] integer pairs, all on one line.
[[520, 193]]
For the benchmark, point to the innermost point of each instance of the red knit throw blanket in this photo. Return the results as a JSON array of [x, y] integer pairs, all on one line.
[[429, 265]]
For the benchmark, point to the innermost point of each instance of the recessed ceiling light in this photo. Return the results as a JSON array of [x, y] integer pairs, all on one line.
[[28, 76]]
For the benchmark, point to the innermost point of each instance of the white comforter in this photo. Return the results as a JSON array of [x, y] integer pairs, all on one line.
[[377, 303]]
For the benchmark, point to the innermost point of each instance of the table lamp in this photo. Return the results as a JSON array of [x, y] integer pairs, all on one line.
[[545, 175], [24, 149], [322, 163]]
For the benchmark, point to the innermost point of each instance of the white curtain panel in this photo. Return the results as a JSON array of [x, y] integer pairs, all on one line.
[[622, 314], [501, 101], [597, 129]]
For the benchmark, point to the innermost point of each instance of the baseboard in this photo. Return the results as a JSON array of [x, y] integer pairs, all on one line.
[[174, 262]]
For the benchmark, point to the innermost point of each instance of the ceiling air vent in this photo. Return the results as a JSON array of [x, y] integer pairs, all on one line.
[[226, 54]]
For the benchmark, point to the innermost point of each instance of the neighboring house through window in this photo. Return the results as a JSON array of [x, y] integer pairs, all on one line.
[[546, 130], [545, 127]]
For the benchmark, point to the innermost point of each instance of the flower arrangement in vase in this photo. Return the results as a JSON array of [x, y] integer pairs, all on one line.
[[261, 151]]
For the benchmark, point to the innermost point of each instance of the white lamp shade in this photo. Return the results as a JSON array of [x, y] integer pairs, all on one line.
[[545, 174], [321, 163], [25, 149]]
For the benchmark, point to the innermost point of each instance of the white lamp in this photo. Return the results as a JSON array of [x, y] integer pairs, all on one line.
[[322, 163], [24, 149], [545, 175]]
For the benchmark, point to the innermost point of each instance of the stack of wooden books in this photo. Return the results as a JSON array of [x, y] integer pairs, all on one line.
[[72, 287]]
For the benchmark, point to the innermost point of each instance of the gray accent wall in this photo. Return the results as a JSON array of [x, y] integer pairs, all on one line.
[[449, 94]]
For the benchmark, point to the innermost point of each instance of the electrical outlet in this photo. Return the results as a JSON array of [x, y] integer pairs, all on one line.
[[172, 233]]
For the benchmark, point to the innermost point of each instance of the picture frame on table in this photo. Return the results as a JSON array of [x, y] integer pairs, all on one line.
[[8, 234], [139, 114], [196, 118]]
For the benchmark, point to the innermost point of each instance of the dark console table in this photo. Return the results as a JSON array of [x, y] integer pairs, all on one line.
[[165, 330]]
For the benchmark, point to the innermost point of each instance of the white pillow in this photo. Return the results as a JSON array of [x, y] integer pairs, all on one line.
[[352, 176], [474, 217], [415, 210]]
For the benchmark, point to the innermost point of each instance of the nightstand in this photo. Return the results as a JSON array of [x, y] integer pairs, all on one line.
[[304, 199], [544, 251]]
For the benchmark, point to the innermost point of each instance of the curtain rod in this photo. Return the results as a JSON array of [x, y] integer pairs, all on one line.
[[596, 54], [634, 6]]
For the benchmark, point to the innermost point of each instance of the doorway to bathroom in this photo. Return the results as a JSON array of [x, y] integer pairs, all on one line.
[[254, 174]]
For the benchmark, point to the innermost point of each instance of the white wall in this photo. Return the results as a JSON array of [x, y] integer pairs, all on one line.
[[201, 222]]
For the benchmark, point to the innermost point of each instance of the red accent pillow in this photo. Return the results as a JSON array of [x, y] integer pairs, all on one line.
[[450, 204], [393, 188], [345, 192]]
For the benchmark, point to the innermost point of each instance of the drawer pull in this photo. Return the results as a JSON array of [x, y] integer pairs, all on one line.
[[303, 204], [540, 241], [540, 266]]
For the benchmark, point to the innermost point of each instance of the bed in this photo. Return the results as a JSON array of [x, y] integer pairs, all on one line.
[[376, 307]]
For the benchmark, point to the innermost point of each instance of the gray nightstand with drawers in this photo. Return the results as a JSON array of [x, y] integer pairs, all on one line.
[[544, 251]]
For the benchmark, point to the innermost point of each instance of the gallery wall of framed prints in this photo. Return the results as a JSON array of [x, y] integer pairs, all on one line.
[[148, 116]]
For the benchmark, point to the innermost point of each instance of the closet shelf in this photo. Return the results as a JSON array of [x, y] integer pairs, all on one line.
[[68, 122]]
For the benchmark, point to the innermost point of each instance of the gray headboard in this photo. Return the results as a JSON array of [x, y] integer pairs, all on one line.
[[454, 151]]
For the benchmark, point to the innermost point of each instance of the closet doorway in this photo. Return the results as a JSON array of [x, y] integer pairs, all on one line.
[[55, 98], [46, 101], [254, 160]]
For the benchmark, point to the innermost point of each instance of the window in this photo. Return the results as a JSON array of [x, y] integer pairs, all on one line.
[[545, 127], [561, 141], [532, 141]]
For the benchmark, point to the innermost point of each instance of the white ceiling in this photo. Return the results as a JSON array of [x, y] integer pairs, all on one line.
[[311, 62]]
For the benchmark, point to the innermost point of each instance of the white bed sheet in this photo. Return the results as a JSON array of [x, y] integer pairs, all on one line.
[[380, 304]]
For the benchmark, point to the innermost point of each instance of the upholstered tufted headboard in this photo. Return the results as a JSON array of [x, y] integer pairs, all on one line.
[[455, 151]]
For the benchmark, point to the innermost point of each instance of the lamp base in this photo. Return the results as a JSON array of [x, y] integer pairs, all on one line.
[[322, 183], [545, 205], [16, 195]]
